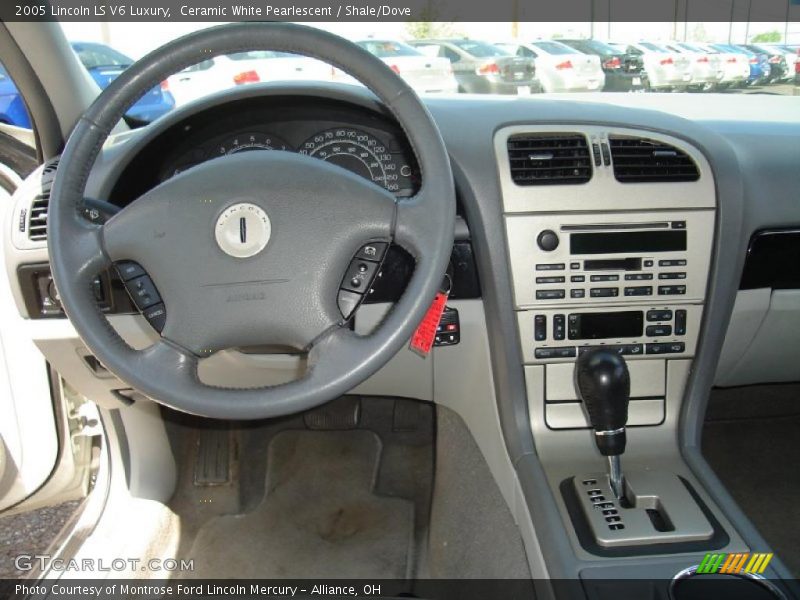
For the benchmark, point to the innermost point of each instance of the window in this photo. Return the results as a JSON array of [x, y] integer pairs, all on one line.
[[95, 56], [387, 49], [554, 47], [479, 49]]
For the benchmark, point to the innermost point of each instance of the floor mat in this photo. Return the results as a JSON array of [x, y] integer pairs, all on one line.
[[757, 459], [319, 517]]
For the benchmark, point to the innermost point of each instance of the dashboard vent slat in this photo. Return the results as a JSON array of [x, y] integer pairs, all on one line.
[[549, 159], [642, 160], [37, 215]]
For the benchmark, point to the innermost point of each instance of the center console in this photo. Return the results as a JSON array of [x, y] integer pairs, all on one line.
[[609, 236]]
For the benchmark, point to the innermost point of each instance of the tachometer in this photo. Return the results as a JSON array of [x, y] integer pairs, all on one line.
[[249, 141], [356, 151]]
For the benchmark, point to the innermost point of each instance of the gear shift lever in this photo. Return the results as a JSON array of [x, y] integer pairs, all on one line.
[[604, 385]]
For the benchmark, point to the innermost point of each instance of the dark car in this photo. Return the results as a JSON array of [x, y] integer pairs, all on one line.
[[105, 64], [481, 68], [624, 71]]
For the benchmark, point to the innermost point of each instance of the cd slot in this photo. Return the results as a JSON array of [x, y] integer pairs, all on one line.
[[613, 264], [614, 226]]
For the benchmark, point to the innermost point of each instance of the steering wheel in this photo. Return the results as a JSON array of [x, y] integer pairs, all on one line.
[[252, 248]]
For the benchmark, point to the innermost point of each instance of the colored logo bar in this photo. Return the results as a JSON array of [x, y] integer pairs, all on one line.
[[733, 564]]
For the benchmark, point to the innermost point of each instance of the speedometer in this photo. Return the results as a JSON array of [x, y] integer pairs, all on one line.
[[359, 152]]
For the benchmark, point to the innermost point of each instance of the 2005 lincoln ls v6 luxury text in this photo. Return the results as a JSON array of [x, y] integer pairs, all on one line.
[[317, 329]]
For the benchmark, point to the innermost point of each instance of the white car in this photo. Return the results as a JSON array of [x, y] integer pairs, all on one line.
[[226, 71], [666, 70], [706, 67], [559, 67], [736, 65], [425, 74]]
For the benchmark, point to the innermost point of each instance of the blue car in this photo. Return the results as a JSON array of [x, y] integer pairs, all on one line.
[[104, 65], [12, 108]]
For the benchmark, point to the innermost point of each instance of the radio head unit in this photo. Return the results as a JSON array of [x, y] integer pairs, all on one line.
[[629, 257]]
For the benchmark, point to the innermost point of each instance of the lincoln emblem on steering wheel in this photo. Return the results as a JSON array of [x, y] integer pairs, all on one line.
[[243, 230]]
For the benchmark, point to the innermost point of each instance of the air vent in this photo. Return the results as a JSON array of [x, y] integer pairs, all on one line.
[[37, 216], [549, 159], [640, 160]]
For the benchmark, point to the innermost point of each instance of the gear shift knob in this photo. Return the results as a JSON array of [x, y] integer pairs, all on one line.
[[604, 385]]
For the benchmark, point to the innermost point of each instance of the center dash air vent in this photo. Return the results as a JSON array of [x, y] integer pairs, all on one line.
[[549, 159], [641, 160], [37, 216]]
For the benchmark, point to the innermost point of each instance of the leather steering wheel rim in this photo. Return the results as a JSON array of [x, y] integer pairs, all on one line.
[[338, 359]]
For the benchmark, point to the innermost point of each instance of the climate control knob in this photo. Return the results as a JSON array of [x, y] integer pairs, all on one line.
[[547, 240]]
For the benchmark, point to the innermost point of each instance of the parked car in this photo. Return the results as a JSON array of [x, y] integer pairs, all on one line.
[[707, 72], [787, 58], [760, 69], [12, 108], [735, 63], [623, 72], [779, 70], [481, 68], [242, 68], [425, 74], [106, 64], [666, 70], [561, 68]]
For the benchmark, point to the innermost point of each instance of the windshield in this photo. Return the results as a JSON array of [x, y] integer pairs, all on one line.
[[635, 57]]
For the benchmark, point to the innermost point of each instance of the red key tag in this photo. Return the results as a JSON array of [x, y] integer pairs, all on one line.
[[424, 336]]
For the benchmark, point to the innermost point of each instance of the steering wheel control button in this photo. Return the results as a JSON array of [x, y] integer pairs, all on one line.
[[547, 240], [143, 292], [128, 270], [359, 276], [243, 230], [373, 251], [348, 302], [156, 315]]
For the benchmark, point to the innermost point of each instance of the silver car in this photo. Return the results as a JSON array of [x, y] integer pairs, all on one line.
[[666, 69], [559, 67]]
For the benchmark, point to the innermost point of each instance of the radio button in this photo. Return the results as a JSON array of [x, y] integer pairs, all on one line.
[[607, 292], [550, 279], [658, 330], [540, 328], [549, 294], [639, 290], [680, 322], [648, 263], [577, 293], [567, 352], [578, 278], [672, 275], [604, 278], [574, 266], [672, 290], [638, 277], [672, 262], [550, 267], [667, 348], [559, 325], [547, 240], [679, 224], [660, 315]]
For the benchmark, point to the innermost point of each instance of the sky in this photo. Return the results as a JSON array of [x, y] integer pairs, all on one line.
[[136, 39]]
